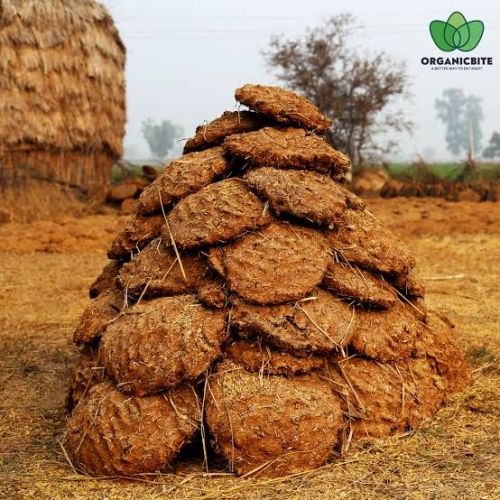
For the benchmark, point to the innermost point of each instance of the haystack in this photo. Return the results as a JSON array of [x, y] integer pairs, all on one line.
[[62, 94], [251, 281]]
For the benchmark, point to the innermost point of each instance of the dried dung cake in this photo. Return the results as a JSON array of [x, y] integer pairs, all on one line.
[[287, 148], [266, 424], [98, 315], [373, 397], [390, 398], [159, 343], [138, 232], [386, 335], [383, 399], [409, 284], [251, 296], [212, 292], [351, 282], [320, 323], [425, 390], [106, 280], [438, 341], [129, 206], [184, 176], [362, 239], [281, 263], [257, 356], [88, 372], [300, 193], [283, 106], [353, 201], [157, 271], [122, 191], [114, 434], [229, 123], [215, 257], [216, 213]]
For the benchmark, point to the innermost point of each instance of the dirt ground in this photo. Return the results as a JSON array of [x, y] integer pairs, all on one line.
[[46, 268]]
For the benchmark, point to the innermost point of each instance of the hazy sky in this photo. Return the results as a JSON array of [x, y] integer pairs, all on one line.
[[185, 58]]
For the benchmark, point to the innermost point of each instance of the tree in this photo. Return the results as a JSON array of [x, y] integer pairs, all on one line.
[[493, 148], [355, 90], [160, 137], [462, 116]]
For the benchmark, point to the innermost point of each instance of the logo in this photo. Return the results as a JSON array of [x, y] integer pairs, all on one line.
[[456, 33]]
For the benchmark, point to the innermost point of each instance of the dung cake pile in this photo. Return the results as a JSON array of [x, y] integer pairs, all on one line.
[[253, 306], [125, 193]]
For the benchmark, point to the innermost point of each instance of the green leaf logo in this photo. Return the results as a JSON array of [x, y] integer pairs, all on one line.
[[456, 33]]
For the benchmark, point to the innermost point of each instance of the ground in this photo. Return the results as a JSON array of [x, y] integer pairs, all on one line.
[[45, 271]]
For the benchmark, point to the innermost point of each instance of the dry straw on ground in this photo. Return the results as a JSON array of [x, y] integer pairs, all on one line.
[[453, 456]]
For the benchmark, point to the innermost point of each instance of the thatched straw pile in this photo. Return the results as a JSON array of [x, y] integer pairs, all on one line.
[[62, 93], [253, 299]]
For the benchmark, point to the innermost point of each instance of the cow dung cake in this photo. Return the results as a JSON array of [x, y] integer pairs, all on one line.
[[253, 300]]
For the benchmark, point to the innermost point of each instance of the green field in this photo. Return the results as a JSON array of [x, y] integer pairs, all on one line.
[[443, 171]]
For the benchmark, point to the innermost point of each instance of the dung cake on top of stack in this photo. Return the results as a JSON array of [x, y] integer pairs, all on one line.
[[253, 299]]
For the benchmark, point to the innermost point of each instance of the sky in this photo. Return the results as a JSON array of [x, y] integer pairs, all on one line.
[[185, 58]]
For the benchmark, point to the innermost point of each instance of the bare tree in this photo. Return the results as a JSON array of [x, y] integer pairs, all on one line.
[[355, 90]]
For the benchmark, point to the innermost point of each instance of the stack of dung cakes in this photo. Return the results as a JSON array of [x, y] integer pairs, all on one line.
[[252, 297]]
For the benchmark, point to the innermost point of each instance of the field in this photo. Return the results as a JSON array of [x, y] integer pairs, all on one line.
[[444, 171], [46, 270]]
